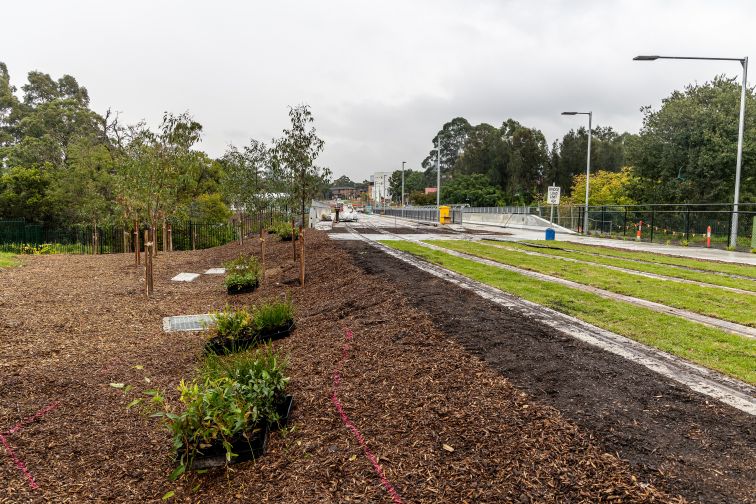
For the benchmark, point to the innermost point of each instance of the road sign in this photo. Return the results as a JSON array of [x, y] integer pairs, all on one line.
[[553, 195]]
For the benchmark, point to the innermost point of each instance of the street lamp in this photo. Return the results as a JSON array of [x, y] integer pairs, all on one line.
[[741, 122], [438, 174], [403, 163], [587, 166]]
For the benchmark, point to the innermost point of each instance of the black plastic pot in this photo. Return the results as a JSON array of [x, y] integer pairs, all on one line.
[[275, 334], [246, 448], [241, 290]]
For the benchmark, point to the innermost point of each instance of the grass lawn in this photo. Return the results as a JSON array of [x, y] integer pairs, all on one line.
[[7, 260], [699, 264], [717, 303], [659, 269], [728, 353]]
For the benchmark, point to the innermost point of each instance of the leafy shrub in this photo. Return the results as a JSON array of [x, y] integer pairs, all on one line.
[[242, 272], [235, 396], [284, 230], [273, 315], [233, 325], [41, 249]]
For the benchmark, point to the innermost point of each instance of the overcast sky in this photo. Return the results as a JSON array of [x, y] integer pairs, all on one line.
[[381, 77]]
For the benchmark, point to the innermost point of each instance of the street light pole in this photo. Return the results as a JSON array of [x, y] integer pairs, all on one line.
[[438, 175], [403, 163], [587, 165], [741, 125]]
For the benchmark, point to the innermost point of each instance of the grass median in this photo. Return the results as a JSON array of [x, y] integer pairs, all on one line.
[[698, 264], [717, 303], [728, 353], [646, 267]]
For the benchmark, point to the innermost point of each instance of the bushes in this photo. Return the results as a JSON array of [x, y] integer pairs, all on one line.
[[234, 400], [243, 274], [237, 329], [284, 230]]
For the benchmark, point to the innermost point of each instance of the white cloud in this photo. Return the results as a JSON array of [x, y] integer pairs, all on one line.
[[382, 77]]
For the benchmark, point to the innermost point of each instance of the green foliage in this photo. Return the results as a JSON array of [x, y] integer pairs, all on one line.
[[284, 230], [247, 176], [293, 165], [420, 198], [244, 271], [607, 188], [210, 208], [686, 150], [234, 396], [474, 190], [24, 194], [272, 315], [231, 325], [414, 181]]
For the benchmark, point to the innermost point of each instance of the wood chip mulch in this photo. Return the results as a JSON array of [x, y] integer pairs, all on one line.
[[443, 426]]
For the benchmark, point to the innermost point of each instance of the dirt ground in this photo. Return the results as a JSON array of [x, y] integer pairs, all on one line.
[[681, 441], [444, 424]]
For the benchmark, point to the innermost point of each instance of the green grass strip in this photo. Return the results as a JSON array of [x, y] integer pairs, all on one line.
[[7, 260], [728, 353], [699, 264], [716, 303], [656, 268]]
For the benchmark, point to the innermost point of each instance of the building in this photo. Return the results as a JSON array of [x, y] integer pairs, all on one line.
[[381, 191]]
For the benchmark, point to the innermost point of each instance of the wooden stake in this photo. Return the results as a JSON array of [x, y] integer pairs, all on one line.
[[170, 237], [148, 246], [153, 239], [136, 242], [294, 241], [125, 241], [301, 258], [262, 255], [165, 236]]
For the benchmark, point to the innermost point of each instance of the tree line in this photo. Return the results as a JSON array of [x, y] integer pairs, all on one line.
[[684, 153], [61, 163]]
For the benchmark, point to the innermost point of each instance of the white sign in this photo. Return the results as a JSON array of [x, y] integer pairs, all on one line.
[[553, 195]]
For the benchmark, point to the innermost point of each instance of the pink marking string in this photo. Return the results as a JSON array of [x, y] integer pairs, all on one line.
[[353, 428], [20, 425], [36, 416], [19, 464]]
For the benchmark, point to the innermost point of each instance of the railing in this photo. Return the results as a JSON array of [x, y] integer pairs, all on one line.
[[22, 238], [679, 224]]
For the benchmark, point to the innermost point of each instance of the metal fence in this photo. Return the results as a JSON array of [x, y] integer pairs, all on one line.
[[678, 224], [20, 237]]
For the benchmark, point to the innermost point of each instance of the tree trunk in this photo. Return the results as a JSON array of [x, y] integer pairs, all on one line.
[[302, 258], [136, 242], [165, 236]]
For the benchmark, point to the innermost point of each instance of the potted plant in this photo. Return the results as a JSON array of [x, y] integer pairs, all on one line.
[[227, 413], [242, 275], [273, 319]]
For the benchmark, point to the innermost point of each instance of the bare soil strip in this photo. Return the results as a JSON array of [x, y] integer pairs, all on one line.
[[72, 325], [681, 440]]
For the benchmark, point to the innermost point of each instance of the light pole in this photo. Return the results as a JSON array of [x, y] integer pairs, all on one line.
[[438, 174], [587, 166], [741, 122], [403, 163]]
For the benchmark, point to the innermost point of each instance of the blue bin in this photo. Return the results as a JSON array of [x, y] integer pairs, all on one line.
[[550, 234]]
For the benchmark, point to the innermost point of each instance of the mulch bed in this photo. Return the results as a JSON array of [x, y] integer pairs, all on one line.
[[71, 325]]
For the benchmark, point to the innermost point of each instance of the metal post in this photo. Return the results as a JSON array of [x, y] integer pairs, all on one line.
[[653, 211], [438, 176], [741, 122], [588, 172], [403, 163]]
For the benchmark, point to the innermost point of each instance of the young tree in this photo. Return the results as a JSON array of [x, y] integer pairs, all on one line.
[[244, 182], [294, 157]]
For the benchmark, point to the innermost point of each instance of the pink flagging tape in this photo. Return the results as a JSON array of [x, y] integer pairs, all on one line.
[[36, 416], [20, 425], [21, 466], [353, 428]]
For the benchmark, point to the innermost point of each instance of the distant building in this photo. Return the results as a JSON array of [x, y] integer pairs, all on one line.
[[346, 192], [381, 191], [431, 190]]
